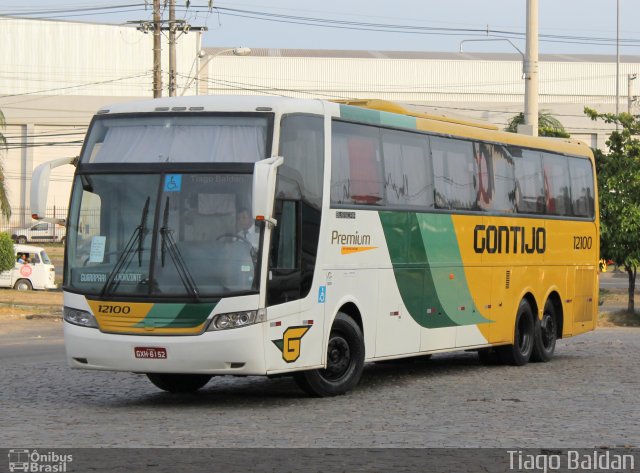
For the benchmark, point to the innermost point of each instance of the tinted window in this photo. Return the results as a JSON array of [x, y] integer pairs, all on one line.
[[582, 191], [454, 171], [175, 138], [496, 179], [356, 165], [556, 184], [302, 146], [529, 183], [408, 175]]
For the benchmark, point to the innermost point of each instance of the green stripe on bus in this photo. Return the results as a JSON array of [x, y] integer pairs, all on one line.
[[411, 269], [425, 254], [176, 315], [376, 117], [445, 262]]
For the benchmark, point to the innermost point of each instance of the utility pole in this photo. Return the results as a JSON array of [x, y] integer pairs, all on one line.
[[157, 50], [175, 28], [617, 59], [531, 72], [630, 97], [172, 48]]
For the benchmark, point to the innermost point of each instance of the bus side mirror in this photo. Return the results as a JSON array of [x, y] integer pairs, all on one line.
[[264, 188], [40, 189]]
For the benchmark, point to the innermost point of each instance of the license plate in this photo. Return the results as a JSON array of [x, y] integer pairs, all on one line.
[[151, 353]]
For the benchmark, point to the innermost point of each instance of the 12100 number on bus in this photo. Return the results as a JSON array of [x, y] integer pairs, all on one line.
[[582, 242]]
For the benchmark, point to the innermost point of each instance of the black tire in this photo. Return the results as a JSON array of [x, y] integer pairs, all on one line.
[[22, 240], [519, 353], [23, 285], [345, 361], [546, 335], [178, 383]]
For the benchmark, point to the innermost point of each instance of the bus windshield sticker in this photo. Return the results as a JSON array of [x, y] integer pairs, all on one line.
[[98, 244], [172, 182]]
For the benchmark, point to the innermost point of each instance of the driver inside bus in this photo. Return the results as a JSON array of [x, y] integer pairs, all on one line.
[[246, 227]]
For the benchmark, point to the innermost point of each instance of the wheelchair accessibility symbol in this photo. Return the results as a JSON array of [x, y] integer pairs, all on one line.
[[322, 294], [172, 182]]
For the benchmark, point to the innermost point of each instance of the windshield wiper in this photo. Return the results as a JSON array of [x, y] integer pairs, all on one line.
[[143, 230], [137, 236], [168, 243]]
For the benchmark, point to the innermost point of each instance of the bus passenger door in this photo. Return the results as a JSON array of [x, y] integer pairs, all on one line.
[[295, 325]]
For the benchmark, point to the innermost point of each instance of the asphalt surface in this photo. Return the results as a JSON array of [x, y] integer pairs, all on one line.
[[585, 397]]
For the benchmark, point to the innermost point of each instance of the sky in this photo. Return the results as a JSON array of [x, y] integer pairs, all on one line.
[[566, 26]]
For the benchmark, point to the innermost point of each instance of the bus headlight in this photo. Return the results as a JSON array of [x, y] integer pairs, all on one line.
[[79, 317], [237, 319]]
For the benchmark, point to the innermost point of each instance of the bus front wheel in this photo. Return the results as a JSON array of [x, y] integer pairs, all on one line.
[[178, 383], [546, 335], [345, 361], [519, 353]]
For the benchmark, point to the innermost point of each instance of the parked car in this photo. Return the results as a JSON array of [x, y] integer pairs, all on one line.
[[36, 272], [41, 232]]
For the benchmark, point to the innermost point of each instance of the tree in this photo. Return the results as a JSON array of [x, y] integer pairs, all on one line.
[[548, 125], [7, 256], [5, 207], [619, 194]]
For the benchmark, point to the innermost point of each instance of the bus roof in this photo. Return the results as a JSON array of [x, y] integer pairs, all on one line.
[[440, 124], [465, 128], [394, 107]]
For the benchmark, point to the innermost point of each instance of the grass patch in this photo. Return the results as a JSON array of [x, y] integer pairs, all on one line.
[[621, 318]]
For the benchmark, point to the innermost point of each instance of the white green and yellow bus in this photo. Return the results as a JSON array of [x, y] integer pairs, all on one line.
[[264, 236]]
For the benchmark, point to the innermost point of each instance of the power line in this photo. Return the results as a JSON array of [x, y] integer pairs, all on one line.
[[411, 29], [107, 9], [38, 92], [333, 23]]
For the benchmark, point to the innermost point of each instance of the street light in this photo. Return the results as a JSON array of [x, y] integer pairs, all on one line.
[[492, 39], [240, 51], [529, 69]]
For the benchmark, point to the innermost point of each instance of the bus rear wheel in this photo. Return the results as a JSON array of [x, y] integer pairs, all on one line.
[[519, 353], [345, 361], [546, 335], [178, 383]]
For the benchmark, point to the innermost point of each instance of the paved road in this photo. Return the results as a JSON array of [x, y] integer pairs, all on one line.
[[587, 396], [615, 280]]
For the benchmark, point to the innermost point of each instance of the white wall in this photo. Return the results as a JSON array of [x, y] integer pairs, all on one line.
[[54, 75]]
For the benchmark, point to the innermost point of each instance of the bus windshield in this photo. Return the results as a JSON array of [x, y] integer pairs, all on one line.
[[167, 235]]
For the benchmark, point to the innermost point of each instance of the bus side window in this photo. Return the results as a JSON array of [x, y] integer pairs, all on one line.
[[555, 169], [284, 262]]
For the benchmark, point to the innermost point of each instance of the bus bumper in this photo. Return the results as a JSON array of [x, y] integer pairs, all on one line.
[[226, 352]]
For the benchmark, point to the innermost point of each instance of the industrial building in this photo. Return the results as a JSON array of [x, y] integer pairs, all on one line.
[[57, 74]]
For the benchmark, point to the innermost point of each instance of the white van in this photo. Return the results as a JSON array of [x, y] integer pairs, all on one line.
[[36, 273]]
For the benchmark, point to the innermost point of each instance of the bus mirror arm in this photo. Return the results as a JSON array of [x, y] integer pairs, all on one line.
[[40, 189], [265, 173]]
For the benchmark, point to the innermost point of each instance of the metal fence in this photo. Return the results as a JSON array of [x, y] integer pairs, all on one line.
[[21, 218]]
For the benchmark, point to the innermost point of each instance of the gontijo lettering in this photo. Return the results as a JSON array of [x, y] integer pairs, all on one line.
[[502, 239]]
